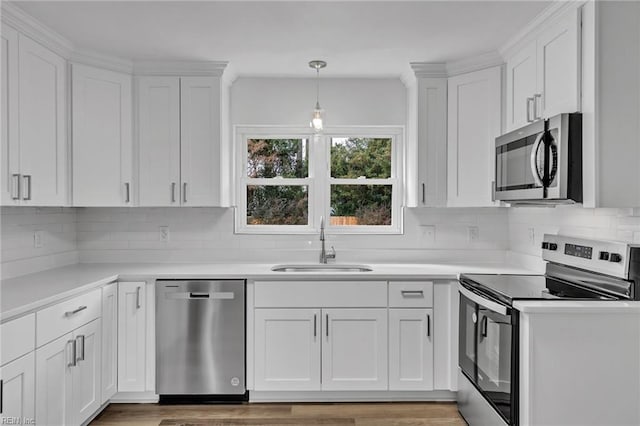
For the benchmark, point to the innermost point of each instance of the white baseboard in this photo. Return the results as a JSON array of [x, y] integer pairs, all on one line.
[[134, 397], [351, 396]]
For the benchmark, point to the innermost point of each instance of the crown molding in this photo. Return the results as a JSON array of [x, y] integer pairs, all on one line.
[[91, 58], [475, 63], [15, 17], [533, 27], [429, 69], [185, 68]]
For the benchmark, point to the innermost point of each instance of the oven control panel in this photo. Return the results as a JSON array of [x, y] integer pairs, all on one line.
[[607, 257]]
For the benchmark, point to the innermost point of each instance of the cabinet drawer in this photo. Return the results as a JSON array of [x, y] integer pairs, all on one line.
[[66, 316], [18, 338], [319, 294], [410, 294]]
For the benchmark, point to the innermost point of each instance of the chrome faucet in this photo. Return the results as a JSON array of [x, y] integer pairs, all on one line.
[[323, 253]]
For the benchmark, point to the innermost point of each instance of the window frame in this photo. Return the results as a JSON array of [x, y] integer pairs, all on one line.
[[319, 178]]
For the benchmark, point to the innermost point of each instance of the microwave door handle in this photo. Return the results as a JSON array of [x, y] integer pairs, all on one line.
[[485, 303], [534, 160]]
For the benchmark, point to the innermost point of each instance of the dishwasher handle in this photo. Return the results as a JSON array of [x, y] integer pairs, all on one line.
[[193, 295]]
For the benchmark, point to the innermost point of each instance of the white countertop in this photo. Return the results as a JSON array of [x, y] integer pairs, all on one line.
[[28, 293]]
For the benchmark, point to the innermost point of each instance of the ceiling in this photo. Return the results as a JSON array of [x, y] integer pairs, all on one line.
[[278, 38]]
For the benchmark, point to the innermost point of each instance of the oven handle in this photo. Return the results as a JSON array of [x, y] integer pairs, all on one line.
[[489, 304], [534, 160]]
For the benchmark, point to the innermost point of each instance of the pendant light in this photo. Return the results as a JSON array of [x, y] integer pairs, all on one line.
[[318, 114]]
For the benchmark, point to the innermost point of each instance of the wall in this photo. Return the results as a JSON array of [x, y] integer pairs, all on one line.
[[206, 235], [17, 227], [614, 224], [346, 101]]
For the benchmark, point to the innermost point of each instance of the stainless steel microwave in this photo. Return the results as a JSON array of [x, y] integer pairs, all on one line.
[[541, 163]]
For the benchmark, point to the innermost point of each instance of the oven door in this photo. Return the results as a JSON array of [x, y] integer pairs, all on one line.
[[488, 351], [520, 164]]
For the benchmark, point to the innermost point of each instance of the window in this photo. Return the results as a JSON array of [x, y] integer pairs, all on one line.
[[290, 178]]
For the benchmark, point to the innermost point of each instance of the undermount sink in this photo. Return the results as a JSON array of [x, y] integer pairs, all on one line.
[[320, 267]]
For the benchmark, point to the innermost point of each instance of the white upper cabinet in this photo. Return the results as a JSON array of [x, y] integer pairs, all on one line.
[[521, 86], [543, 76], [179, 141], [159, 140], [200, 140], [34, 137], [10, 153], [102, 137], [474, 122]]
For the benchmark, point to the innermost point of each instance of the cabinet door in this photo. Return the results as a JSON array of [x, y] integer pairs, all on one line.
[[558, 59], [354, 349], [200, 140], [521, 86], [87, 374], [102, 139], [42, 118], [109, 360], [287, 349], [474, 123], [10, 152], [18, 388], [53, 375], [131, 336], [410, 349], [159, 141]]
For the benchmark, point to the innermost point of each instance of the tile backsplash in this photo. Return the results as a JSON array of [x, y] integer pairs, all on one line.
[[34, 239], [206, 235], [527, 225]]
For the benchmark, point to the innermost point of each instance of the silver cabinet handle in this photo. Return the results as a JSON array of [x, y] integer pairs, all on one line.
[[315, 325], [75, 311], [74, 361], [529, 102], [15, 187], [173, 192], [127, 192], [493, 190], [138, 298], [423, 193], [81, 351], [412, 293], [184, 192], [27, 186], [327, 330], [1, 394], [537, 112], [428, 325]]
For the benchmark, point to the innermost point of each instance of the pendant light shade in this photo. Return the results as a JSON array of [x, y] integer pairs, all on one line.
[[317, 119]]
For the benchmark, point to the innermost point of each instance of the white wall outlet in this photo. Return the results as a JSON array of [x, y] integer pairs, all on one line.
[[473, 233], [531, 232], [428, 233], [164, 234], [38, 239]]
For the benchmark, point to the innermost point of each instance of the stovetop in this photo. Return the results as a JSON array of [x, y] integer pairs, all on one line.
[[507, 288]]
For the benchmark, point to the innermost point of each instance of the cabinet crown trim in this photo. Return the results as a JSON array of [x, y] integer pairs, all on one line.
[[15, 17], [182, 68], [533, 27], [429, 69]]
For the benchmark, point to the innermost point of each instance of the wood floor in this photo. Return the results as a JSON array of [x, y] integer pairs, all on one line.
[[338, 414]]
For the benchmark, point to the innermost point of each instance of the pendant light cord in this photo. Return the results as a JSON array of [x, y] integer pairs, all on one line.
[[317, 87]]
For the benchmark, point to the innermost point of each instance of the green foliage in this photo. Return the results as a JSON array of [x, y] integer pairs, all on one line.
[[351, 158]]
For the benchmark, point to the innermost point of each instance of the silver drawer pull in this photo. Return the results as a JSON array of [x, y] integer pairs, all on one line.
[[75, 311], [412, 293]]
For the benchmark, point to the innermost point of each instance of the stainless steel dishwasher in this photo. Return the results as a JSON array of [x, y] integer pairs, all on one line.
[[200, 340]]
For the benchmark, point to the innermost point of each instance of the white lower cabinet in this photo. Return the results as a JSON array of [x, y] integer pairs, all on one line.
[[68, 377], [109, 342], [411, 349], [287, 355], [132, 323], [320, 349], [18, 389], [354, 349]]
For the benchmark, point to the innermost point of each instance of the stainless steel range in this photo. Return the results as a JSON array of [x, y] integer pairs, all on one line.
[[577, 269]]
